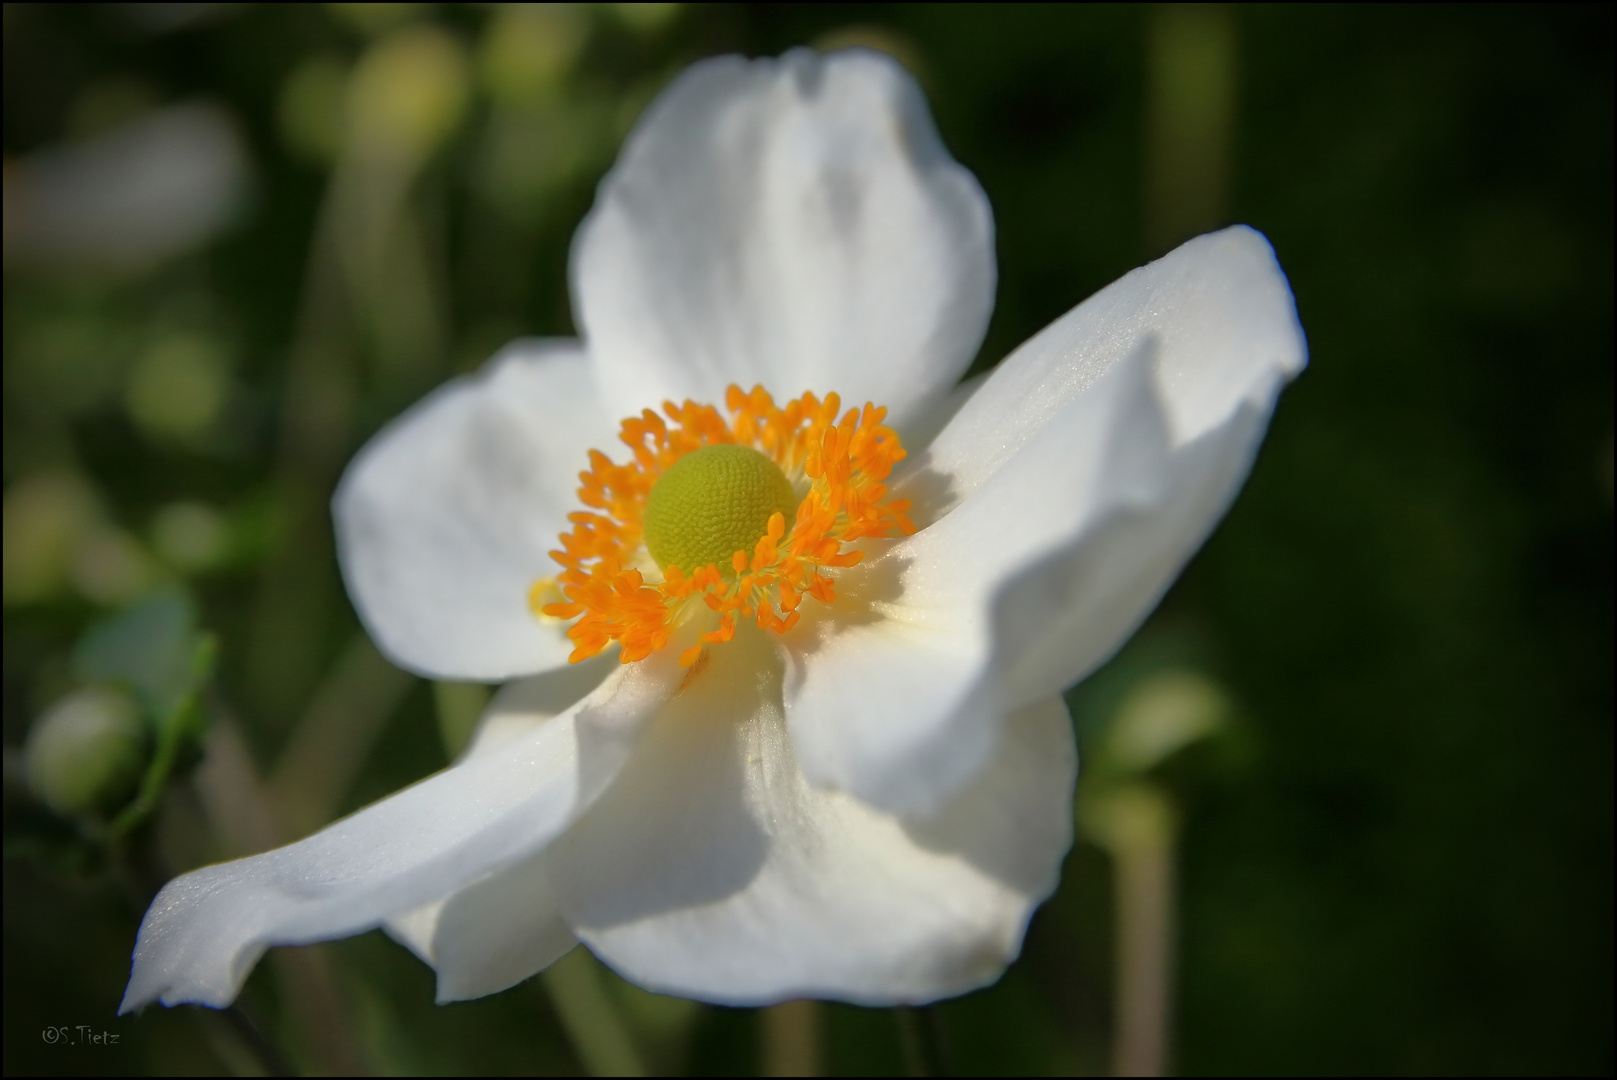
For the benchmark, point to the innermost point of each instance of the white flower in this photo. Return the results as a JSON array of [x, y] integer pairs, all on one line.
[[865, 805]]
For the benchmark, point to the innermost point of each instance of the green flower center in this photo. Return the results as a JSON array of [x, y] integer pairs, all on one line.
[[712, 503]]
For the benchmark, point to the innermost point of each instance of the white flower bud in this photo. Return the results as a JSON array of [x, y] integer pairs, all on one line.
[[85, 755]]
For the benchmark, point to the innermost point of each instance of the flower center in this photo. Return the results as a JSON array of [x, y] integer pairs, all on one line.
[[714, 502], [708, 501]]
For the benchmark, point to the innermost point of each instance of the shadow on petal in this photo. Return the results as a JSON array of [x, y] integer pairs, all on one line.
[[991, 824], [674, 831]]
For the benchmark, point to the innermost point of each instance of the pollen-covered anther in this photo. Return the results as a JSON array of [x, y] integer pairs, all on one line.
[[743, 517]]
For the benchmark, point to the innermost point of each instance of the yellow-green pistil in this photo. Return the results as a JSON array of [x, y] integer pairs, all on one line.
[[712, 503]]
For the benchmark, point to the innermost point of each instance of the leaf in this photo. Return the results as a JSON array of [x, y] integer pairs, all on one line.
[[154, 649], [146, 648]]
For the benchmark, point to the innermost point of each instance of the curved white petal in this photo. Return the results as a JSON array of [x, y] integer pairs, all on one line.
[[523, 704], [918, 432], [1064, 497], [207, 928], [883, 649], [414, 929], [1225, 330], [447, 517], [496, 932], [490, 935], [1064, 614], [791, 222], [713, 870]]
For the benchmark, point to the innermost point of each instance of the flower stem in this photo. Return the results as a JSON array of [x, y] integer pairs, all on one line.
[[599, 1035], [791, 1032], [1143, 881], [920, 1036], [1191, 82]]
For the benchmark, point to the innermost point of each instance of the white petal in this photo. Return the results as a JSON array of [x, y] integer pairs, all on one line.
[[1226, 332], [917, 434], [791, 222], [492, 934], [496, 932], [447, 517], [207, 928], [914, 661], [713, 870], [1057, 527], [912, 634], [1061, 617], [414, 929], [523, 704]]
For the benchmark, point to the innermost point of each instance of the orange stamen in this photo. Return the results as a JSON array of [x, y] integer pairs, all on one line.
[[846, 462]]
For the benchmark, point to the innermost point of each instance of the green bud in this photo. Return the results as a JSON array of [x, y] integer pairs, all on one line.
[[1161, 716], [85, 756]]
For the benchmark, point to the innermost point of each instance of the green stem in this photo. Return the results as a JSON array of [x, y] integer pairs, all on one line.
[[791, 1039], [1143, 873], [920, 1037], [177, 732], [602, 1040]]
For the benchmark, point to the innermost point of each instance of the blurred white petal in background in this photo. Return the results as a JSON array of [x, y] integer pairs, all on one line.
[[130, 197]]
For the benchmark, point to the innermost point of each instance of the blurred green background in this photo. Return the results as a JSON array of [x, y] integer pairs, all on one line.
[[238, 239]]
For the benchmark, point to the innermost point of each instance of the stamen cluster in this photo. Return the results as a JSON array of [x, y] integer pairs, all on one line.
[[843, 463]]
